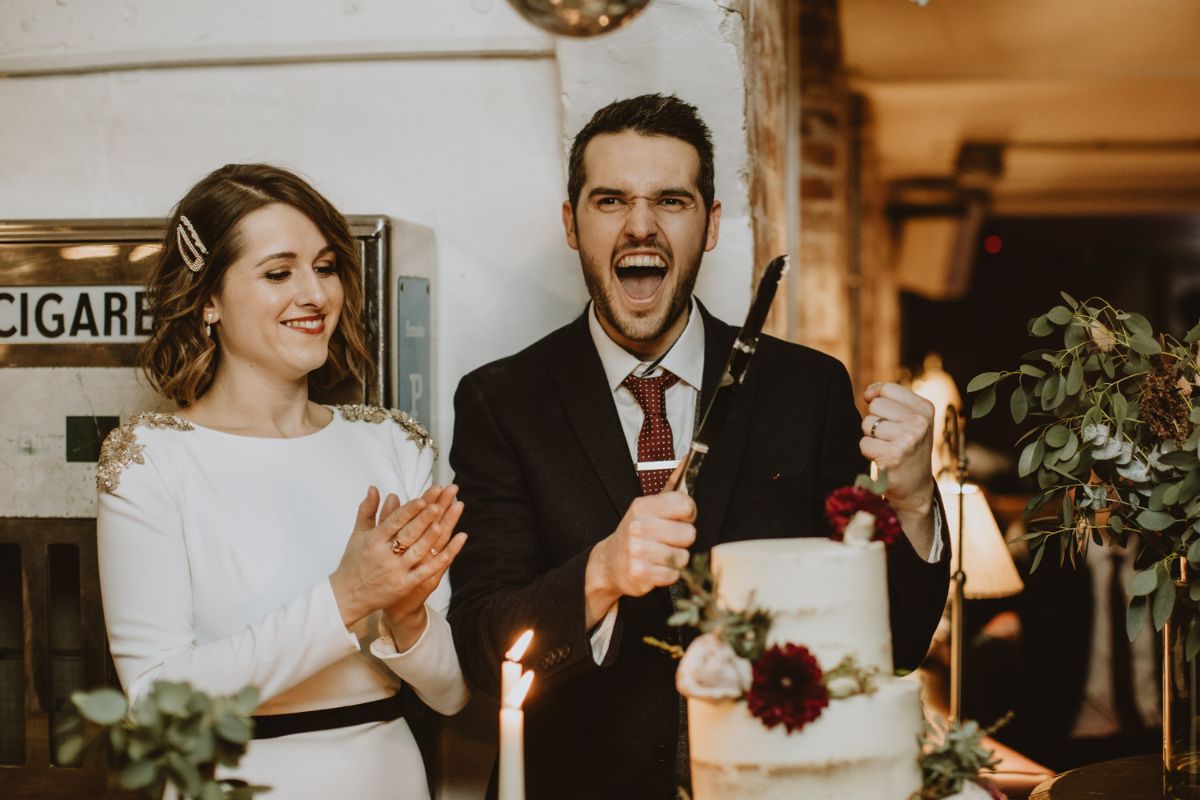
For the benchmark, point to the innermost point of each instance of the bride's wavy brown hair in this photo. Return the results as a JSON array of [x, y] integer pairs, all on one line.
[[179, 358]]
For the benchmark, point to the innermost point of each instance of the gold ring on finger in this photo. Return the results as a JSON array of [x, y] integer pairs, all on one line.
[[398, 547], [875, 425], [433, 551]]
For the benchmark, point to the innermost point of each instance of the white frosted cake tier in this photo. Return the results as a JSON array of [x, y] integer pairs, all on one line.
[[860, 748], [829, 596]]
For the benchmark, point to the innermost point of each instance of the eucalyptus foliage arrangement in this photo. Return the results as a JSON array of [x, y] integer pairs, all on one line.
[[744, 631], [952, 754], [174, 734], [1114, 446]]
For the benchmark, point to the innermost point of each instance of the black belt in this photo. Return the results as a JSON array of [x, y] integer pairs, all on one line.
[[269, 726]]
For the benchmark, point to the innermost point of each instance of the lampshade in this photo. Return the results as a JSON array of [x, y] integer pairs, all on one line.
[[936, 386], [988, 566]]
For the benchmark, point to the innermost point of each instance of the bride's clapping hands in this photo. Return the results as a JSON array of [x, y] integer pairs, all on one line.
[[406, 617], [396, 562]]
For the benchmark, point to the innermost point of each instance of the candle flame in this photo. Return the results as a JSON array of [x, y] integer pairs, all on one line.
[[517, 696], [519, 646]]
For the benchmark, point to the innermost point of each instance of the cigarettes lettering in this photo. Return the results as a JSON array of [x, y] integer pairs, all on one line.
[[75, 314]]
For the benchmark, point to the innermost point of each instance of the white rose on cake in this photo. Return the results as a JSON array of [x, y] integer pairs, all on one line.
[[860, 529], [710, 670]]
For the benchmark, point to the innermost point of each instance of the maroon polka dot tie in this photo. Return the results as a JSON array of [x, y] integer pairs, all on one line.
[[655, 441]]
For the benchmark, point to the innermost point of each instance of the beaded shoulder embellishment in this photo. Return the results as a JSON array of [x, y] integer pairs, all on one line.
[[415, 430], [121, 447]]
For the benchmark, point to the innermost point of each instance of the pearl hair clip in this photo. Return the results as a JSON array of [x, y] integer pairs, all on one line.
[[191, 249]]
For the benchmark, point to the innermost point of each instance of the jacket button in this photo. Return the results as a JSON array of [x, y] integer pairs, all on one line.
[[660, 754]]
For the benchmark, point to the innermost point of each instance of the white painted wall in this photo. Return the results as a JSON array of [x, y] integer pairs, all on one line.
[[409, 139], [54, 35], [426, 129], [451, 113]]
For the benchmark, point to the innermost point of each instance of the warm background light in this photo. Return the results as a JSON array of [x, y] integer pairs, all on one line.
[[988, 565], [936, 386]]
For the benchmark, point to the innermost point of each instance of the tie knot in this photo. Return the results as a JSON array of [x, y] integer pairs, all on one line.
[[650, 393]]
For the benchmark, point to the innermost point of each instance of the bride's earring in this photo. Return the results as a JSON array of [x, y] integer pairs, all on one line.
[[208, 321]]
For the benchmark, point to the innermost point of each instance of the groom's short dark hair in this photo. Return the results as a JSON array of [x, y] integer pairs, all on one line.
[[649, 115]]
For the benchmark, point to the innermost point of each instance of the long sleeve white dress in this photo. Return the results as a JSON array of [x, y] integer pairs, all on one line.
[[214, 554]]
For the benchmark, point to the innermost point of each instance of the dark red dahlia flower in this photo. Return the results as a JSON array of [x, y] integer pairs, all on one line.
[[787, 687], [842, 504], [1163, 404]]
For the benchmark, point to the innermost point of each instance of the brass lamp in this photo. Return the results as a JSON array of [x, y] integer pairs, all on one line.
[[993, 573], [977, 549]]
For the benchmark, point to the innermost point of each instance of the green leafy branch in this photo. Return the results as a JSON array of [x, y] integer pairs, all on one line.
[[744, 631], [673, 650], [848, 678], [1116, 447], [952, 753], [174, 734]]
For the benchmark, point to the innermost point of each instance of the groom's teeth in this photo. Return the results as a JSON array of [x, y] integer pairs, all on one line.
[[640, 260]]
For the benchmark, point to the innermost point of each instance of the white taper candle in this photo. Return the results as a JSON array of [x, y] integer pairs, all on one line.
[[512, 741]]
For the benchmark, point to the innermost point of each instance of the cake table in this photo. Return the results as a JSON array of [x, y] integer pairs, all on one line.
[[1130, 778]]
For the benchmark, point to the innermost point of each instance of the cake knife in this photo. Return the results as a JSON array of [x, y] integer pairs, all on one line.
[[732, 376]]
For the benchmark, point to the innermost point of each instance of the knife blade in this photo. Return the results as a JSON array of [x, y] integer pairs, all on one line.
[[731, 378]]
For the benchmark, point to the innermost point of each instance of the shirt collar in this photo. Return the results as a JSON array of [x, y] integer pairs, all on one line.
[[685, 358]]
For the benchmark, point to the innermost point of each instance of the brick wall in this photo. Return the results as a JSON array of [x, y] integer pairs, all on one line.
[[878, 317], [816, 191], [821, 293]]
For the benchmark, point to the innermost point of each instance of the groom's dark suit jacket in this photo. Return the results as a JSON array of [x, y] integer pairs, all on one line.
[[545, 473]]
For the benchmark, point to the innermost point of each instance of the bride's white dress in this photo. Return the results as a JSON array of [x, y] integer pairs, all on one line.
[[214, 555]]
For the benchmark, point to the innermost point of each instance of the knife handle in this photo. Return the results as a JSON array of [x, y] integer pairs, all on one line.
[[685, 479]]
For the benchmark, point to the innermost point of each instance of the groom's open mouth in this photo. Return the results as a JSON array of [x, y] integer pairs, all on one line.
[[641, 274]]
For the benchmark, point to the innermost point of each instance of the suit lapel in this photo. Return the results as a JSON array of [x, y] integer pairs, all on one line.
[[715, 483], [583, 389]]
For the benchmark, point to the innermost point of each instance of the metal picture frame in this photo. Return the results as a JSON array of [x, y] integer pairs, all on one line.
[[119, 252]]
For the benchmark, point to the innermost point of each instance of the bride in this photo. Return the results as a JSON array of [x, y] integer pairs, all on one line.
[[257, 537]]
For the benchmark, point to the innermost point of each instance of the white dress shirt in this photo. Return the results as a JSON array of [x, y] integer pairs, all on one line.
[[685, 359]]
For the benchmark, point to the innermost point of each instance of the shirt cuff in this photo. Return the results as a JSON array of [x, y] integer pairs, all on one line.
[[601, 636], [384, 646], [935, 552], [430, 666]]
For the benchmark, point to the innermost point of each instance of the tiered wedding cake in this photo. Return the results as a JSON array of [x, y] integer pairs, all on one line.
[[831, 598]]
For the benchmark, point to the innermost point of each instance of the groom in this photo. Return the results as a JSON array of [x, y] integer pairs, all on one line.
[[561, 451]]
